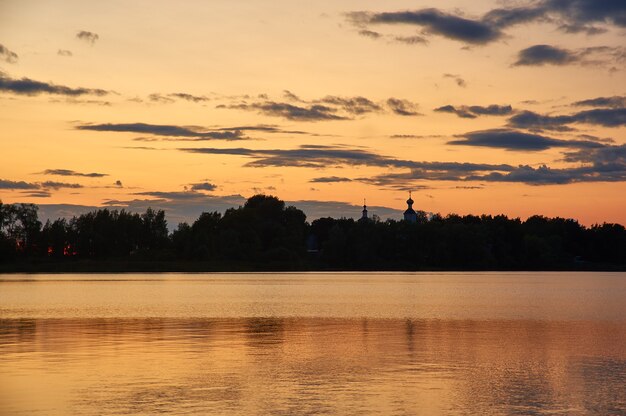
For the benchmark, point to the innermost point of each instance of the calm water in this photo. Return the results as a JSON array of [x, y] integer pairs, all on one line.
[[336, 343]]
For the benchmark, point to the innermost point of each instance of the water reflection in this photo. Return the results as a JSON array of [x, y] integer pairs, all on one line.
[[311, 366]]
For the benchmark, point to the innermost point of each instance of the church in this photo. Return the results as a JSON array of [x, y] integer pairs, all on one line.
[[409, 215]]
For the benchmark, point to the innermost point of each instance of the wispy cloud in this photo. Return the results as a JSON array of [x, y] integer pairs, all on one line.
[[474, 111], [606, 117], [69, 172], [610, 102], [518, 140], [539, 55], [167, 130], [7, 55], [27, 86], [288, 111], [86, 36], [579, 16]]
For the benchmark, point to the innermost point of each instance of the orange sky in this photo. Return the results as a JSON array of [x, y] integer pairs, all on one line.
[[192, 107]]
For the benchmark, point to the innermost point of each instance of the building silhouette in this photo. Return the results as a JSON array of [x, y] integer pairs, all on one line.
[[364, 216], [410, 215]]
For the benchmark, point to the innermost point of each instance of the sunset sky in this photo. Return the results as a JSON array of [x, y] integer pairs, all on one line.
[[514, 107]]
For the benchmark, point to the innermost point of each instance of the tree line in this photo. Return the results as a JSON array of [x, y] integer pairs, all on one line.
[[264, 234]]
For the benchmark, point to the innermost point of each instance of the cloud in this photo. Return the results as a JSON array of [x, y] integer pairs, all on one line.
[[415, 136], [569, 16], [314, 112], [474, 111], [410, 40], [7, 55], [402, 107], [370, 34], [290, 96], [68, 172], [118, 183], [37, 194], [88, 37], [352, 105], [158, 98], [312, 156], [203, 186], [517, 140], [330, 179], [315, 156], [539, 55], [433, 21], [27, 86], [588, 11], [545, 54], [606, 117], [59, 185], [64, 52], [189, 97], [166, 130], [7, 184], [611, 102], [459, 81]]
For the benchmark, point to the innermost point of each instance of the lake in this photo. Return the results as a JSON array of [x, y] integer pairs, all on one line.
[[313, 343]]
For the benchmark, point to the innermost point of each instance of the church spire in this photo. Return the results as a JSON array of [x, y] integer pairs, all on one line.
[[410, 215], [364, 216]]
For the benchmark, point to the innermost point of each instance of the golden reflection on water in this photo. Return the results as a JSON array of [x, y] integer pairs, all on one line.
[[311, 366], [313, 344]]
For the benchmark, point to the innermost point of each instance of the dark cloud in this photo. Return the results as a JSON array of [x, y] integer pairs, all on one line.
[[316, 156], [118, 183], [433, 21], [570, 16], [461, 112], [504, 18], [611, 102], [545, 54], [7, 55], [402, 107], [602, 163], [473, 111], [539, 55], [37, 194], [582, 28], [330, 107], [415, 136], [203, 186], [314, 112], [64, 52], [27, 86], [59, 185], [189, 97], [352, 105], [290, 96], [588, 11], [410, 40], [68, 172], [7, 184], [330, 179], [459, 81], [86, 36], [370, 34], [166, 130], [606, 117], [517, 140], [161, 99]]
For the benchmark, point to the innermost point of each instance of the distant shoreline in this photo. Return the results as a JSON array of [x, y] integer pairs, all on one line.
[[141, 266]]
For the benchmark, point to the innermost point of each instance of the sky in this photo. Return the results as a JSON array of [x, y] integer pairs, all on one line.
[[476, 107]]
